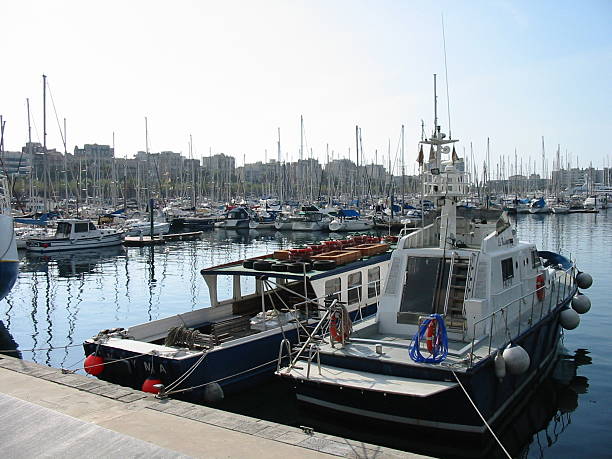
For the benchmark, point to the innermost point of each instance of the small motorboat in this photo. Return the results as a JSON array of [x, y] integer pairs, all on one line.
[[75, 234]]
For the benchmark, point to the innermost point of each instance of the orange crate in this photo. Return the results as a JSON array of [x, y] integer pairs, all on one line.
[[281, 254], [368, 250], [341, 257]]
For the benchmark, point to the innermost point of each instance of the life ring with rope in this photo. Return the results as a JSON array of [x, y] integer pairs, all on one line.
[[540, 291], [337, 330], [430, 334]]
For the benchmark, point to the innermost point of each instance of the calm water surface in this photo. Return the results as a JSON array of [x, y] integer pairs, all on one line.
[[62, 299]]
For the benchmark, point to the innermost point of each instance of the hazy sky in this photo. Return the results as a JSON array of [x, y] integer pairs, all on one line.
[[231, 73]]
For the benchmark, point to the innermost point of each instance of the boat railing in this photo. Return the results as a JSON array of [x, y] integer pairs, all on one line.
[[471, 277], [428, 236], [338, 295], [448, 283], [561, 284]]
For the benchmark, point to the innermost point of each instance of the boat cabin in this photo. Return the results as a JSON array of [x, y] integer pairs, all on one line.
[[238, 213], [463, 283], [75, 229]]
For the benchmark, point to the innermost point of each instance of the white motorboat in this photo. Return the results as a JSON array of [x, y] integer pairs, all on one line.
[[469, 319], [139, 227], [350, 220], [237, 218], [75, 234], [560, 209]]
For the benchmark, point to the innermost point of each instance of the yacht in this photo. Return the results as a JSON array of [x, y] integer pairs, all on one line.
[[468, 319], [75, 234]]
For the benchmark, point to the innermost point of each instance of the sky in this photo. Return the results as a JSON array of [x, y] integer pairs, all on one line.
[[230, 73]]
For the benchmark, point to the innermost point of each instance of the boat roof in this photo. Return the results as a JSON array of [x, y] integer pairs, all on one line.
[[73, 220], [236, 269]]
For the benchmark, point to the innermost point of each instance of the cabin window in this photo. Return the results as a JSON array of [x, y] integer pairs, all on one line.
[[374, 282], [63, 229], [91, 226], [507, 271], [81, 227], [354, 288], [332, 289], [535, 259]]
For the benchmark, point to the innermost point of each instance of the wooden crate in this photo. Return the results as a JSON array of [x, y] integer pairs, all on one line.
[[368, 250], [341, 257], [281, 254]]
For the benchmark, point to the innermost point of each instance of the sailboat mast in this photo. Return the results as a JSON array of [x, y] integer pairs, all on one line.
[[46, 165], [30, 149], [403, 172]]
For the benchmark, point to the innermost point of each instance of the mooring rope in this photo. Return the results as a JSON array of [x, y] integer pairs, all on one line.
[[482, 417]]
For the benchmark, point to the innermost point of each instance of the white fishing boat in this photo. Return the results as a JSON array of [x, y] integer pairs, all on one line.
[[9, 261], [75, 234], [469, 318]]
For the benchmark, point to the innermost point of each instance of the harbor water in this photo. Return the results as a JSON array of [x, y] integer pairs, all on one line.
[[60, 300]]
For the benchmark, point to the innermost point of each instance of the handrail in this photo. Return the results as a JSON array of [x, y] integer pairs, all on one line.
[[448, 285], [310, 337], [491, 316]]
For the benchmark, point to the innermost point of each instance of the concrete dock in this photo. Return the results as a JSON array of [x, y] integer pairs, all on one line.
[[45, 413]]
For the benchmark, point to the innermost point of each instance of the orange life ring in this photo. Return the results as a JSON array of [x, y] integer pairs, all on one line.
[[430, 333], [333, 329], [540, 291]]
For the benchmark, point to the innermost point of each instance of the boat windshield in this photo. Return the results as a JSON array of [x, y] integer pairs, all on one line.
[[63, 229]]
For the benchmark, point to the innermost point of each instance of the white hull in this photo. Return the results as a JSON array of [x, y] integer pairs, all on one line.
[[560, 210], [55, 245], [8, 241], [351, 225], [145, 229]]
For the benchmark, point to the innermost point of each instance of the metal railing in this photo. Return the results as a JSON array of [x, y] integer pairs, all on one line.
[[428, 236], [559, 287], [449, 282]]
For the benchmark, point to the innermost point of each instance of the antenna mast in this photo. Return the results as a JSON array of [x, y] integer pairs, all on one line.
[[446, 76]]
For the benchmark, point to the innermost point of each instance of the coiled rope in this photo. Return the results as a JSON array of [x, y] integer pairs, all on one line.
[[440, 341]]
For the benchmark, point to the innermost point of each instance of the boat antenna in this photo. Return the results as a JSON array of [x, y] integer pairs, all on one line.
[[446, 77]]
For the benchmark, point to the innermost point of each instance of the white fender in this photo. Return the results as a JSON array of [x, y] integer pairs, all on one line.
[[517, 360], [581, 303], [569, 319]]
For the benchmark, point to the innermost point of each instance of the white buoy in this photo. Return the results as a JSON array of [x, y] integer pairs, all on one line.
[[581, 303], [569, 319], [584, 280], [500, 366], [517, 360], [213, 393]]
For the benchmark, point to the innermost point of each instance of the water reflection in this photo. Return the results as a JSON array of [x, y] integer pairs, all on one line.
[[71, 264], [62, 299]]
